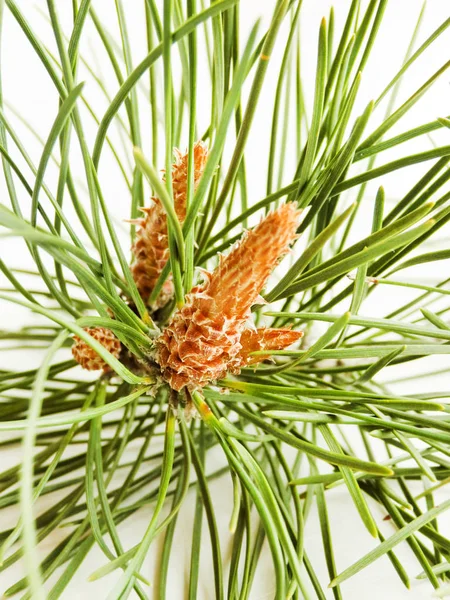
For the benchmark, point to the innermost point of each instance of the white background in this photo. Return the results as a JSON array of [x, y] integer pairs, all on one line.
[[31, 93]]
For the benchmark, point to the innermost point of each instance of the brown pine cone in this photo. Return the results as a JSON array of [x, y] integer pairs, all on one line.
[[151, 248], [203, 339], [87, 357], [264, 338]]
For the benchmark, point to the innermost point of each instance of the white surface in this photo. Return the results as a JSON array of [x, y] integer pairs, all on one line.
[[32, 95]]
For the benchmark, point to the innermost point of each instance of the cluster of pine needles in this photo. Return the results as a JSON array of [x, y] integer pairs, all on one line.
[[291, 422]]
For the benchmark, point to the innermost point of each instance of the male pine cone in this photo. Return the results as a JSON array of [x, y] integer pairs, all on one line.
[[87, 357], [151, 248], [209, 335]]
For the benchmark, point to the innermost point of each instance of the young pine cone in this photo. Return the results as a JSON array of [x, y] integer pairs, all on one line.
[[87, 357], [151, 248], [209, 334], [263, 338]]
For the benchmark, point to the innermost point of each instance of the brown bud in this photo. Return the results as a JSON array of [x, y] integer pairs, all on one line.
[[264, 339], [87, 357], [236, 283], [151, 248], [204, 337]]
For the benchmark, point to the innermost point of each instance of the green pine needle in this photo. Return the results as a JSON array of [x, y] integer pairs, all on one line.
[[339, 409]]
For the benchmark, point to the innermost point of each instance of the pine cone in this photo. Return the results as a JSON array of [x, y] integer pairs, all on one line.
[[151, 248], [203, 340], [264, 338], [87, 357], [151, 251], [236, 283]]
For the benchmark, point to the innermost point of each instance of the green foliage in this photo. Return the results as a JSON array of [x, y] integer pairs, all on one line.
[[287, 431]]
